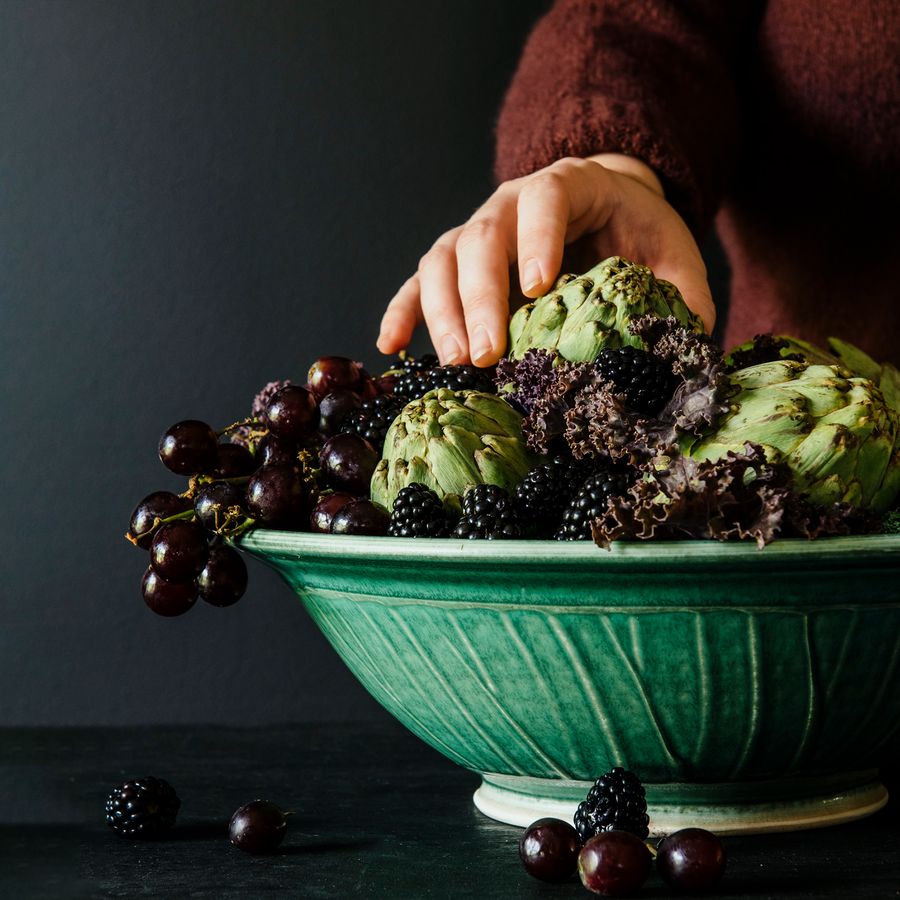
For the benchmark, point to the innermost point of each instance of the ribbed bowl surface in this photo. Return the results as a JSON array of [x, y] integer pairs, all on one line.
[[685, 662]]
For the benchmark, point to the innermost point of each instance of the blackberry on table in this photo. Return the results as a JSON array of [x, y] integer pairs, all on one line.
[[589, 503], [374, 417], [646, 381], [142, 809], [616, 802], [418, 512], [548, 489]]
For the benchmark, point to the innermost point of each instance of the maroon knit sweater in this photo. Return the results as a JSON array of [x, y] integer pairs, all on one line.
[[781, 119]]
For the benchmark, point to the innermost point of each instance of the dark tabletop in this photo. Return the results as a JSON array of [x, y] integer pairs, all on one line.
[[377, 814]]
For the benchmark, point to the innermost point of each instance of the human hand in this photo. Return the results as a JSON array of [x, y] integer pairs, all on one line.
[[611, 205]]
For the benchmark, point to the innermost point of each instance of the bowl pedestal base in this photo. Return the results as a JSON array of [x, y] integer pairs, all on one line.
[[785, 804]]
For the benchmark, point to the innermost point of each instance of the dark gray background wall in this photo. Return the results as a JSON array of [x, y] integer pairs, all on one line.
[[196, 198]]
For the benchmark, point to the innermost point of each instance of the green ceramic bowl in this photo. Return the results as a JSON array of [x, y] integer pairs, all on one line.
[[750, 690]]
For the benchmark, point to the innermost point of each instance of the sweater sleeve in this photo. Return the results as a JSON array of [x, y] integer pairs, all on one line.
[[654, 79]]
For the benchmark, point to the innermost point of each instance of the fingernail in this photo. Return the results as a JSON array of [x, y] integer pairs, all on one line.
[[481, 345], [450, 350], [531, 274]]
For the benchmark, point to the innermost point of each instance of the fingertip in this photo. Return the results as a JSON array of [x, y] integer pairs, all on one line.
[[391, 341], [451, 351], [531, 277], [485, 349]]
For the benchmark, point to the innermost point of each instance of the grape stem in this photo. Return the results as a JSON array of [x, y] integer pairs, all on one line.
[[187, 514], [240, 529], [231, 514], [251, 421]]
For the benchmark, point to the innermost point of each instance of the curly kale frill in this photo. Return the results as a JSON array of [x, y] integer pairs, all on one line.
[[574, 401], [521, 382], [740, 495]]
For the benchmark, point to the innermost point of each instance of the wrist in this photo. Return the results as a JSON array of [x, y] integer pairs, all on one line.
[[632, 167]]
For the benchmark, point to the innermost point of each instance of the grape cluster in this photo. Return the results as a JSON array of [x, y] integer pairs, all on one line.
[[291, 465]]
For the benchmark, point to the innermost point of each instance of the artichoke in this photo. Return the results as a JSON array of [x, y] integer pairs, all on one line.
[[836, 432], [584, 314], [840, 353], [450, 441]]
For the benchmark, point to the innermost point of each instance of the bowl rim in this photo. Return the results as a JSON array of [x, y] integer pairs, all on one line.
[[833, 551]]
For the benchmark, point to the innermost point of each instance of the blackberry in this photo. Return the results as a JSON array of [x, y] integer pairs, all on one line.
[[615, 802], [425, 362], [418, 512], [484, 498], [503, 523], [490, 514], [142, 809], [374, 417], [454, 378], [461, 378], [646, 381], [410, 372], [589, 503], [548, 489]]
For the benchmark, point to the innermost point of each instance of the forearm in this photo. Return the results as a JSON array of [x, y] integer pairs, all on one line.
[[652, 79]]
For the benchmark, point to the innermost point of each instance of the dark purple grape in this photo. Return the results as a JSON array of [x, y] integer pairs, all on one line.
[[189, 448], [387, 384], [159, 505], [549, 850], [292, 413], [332, 372], [233, 461], [224, 579], [278, 497], [179, 551], [614, 863], [333, 407], [348, 462], [257, 827], [692, 859], [369, 387], [361, 517], [275, 451], [167, 599], [212, 502], [326, 509]]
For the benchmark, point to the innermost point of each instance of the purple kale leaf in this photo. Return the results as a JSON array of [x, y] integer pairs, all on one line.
[[738, 496], [522, 381]]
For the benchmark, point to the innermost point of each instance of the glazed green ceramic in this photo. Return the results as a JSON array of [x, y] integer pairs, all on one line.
[[750, 690]]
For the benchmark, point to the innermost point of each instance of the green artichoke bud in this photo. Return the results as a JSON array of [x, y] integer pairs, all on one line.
[[450, 441], [836, 432], [841, 353], [584, 314]]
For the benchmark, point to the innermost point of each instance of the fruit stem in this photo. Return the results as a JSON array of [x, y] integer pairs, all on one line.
[[240, 529], [250, 421], [187, 514], [232, 514]]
